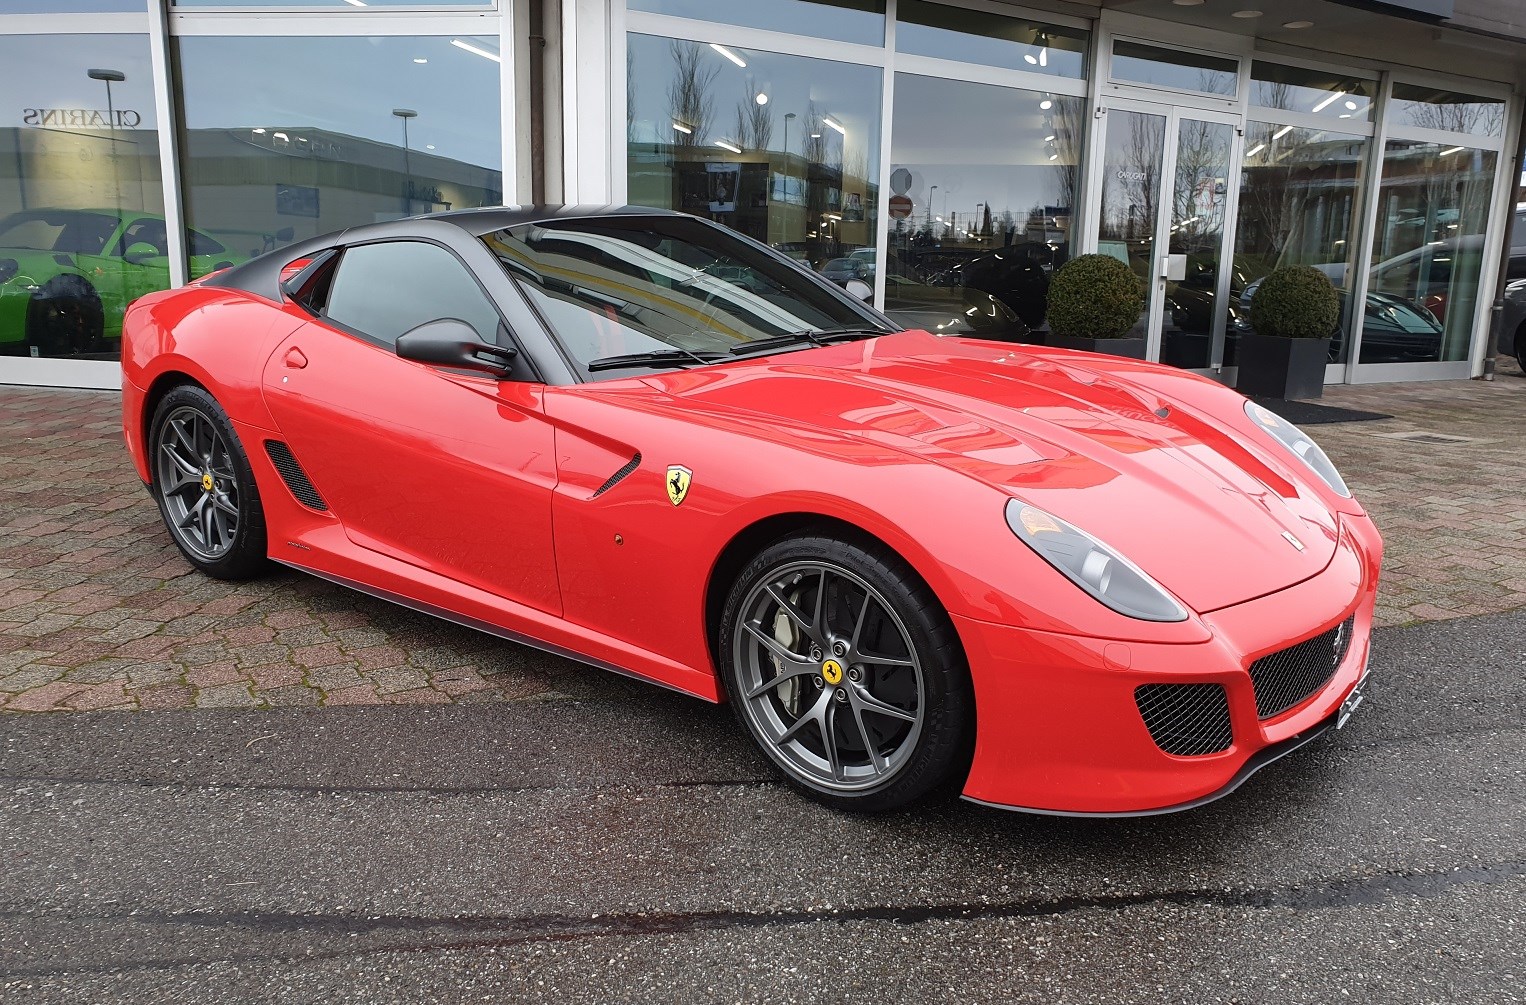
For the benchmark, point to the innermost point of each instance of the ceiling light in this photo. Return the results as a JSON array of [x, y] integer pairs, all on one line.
[[478, 50], [828, 122], [815, 136], [1188, 3], [761, 99], [1044, 56], [1246, 13], [1027, 58], [428, 146], [1279, 134], [728, 146], [1451, 151], [1253, 151], [259, 131], [738, 60], [1351, 106], [1046, 104], [1298, 24], [420, 60], [683, 129], [1332, 99], [1054, 157], [1049, 138]]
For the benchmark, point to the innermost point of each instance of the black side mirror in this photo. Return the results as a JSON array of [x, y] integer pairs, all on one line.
[[453, 343]]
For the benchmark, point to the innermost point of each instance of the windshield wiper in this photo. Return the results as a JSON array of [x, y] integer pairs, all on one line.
[[655, 358], [812, 336]]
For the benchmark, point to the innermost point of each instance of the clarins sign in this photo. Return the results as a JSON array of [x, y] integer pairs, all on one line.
[[81, 118]]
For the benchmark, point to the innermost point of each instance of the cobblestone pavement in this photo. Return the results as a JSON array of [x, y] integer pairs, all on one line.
[[99, 611]]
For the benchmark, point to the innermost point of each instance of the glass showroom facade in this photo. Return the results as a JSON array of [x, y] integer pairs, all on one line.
[[948, 157]]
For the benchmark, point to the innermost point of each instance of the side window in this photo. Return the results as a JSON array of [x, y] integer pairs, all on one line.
[[383, 290], [201, 244], [145, 231]]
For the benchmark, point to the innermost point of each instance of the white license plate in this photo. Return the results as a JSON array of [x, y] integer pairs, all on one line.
[[1353, 701]]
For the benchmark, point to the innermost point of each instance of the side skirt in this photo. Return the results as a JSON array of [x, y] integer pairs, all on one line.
[[488, 627]]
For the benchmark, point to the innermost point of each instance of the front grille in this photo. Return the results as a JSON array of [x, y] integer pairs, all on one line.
[[292, 474], [1186, 719], [1289, 676]]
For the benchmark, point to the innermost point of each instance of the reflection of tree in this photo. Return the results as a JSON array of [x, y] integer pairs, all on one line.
[[1297, 202], [1130, 192], [754, 123], [1477, 117], [1202, 162], [1068, 129], [630, 94], [689, 101]]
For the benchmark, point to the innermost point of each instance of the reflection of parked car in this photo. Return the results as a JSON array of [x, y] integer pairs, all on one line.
[[1017, 275], [1394, 330], [945, 311], [840, 270], [1513, 326], [66, 275]]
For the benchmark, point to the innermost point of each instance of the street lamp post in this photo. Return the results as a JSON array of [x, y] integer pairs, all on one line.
[[108, 77], [405, 114]]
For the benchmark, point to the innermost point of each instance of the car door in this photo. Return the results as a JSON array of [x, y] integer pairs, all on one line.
[[448, 471]]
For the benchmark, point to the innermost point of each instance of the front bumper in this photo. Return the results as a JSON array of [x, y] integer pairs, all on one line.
[[1058, 729]]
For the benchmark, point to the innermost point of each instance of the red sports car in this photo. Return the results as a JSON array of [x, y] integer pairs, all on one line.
[[1058, 582]]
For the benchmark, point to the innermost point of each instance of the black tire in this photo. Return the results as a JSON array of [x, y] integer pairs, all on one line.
[[213, 513], [1520, 346], [898, 703], [65, 318]]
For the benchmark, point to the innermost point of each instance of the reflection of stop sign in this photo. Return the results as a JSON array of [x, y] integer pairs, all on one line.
[[900, 207]]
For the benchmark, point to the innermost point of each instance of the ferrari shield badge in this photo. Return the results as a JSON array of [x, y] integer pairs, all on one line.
[[679, 478]]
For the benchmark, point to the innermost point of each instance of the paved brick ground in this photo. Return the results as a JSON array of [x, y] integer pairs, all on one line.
[[98, 610]]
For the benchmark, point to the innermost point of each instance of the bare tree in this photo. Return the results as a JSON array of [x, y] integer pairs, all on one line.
[[689, 100], [754, 122]]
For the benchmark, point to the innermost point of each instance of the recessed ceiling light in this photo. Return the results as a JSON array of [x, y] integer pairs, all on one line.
[[428, 146], [420, 60], [1246, 13], [762, 98], [1188, 3], [1351, 106], [1298, 24], [1046, 104]]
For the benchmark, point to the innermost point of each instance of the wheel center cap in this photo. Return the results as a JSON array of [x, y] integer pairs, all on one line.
[[206, 481], [831, 672]]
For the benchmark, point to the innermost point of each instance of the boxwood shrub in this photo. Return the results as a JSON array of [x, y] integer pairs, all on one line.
[[1296, 301], [1094, 296]]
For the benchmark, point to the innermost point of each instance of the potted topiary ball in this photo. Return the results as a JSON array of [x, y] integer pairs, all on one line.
[[1094, 302], [1293, 317]]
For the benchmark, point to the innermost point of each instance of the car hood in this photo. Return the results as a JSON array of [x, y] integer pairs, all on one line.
[[1177, 494]]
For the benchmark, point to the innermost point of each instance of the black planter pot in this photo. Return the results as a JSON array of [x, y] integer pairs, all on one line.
[[1286, 368], [1129, 348]]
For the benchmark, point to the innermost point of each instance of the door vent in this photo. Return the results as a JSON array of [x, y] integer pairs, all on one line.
[[292, 474], [618, 476]]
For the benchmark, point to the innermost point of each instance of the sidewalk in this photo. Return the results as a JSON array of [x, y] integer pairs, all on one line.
[[98, 610]]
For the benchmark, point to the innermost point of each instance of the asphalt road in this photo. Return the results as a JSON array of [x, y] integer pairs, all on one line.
[[624, 844]]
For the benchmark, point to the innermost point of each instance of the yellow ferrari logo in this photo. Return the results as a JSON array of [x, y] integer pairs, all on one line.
[[831, 672], [206, 483], [679, 478]]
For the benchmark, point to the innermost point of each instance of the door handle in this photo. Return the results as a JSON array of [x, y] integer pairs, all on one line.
[[294, 359]]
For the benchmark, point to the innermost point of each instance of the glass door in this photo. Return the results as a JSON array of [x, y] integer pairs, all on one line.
[[1166, 211]]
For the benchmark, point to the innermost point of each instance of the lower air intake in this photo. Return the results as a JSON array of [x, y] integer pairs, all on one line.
[[1186, 719], [292, 474]]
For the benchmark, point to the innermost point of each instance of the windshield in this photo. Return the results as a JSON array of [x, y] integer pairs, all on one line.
[[614, 287], [71, 231]]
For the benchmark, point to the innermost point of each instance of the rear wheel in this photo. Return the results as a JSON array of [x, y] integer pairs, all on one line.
[[204, 486], [847, 673], [64, 318]]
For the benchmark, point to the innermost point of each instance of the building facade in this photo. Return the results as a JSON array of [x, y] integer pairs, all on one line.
[[950, 156]]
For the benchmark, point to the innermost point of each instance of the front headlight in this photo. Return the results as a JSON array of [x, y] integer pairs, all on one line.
[[1299, 443], [1092, 565]]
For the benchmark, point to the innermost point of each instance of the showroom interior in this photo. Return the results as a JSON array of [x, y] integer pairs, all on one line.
[[947, 156]]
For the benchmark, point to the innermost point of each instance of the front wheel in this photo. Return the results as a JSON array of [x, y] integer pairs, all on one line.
[[204, 486], [846, 671]]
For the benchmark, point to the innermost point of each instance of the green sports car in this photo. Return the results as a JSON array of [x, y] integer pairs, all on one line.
[[66, 275]]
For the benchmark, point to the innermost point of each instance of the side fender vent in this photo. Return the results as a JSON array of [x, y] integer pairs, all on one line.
[[292, 474], [618, 476]]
